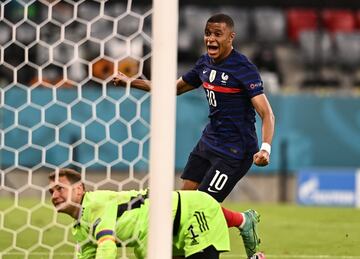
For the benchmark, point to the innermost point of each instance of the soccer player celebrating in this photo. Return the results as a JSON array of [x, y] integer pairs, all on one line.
[[106, 219], [228, 145]]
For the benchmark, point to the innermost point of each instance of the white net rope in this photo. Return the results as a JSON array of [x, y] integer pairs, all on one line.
[[59, 109]]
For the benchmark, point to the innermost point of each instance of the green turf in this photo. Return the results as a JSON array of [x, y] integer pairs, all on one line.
[[291, 231], [287, 231]]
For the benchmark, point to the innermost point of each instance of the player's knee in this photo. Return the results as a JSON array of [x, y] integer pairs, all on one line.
[[189, 185], [208, 253]]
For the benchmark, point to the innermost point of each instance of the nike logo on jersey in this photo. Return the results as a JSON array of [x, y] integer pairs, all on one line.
[[204, 71], [211, 190]]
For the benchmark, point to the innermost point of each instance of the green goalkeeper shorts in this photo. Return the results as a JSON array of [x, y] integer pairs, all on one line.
[[202, 224]]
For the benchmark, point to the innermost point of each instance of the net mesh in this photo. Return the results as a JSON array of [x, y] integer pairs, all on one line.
[[59, 109]]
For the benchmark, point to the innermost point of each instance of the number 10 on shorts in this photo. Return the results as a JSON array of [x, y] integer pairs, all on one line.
[[218, 182]]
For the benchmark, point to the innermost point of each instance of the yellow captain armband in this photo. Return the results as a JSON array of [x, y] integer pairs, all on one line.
[[105, 235], [105, 238]]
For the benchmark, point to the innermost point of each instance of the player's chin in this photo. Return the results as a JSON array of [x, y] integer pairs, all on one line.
[[60, 207], [212, 55]]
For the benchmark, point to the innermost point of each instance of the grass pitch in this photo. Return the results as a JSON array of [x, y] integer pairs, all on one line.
[[287, 231], [294, 232]]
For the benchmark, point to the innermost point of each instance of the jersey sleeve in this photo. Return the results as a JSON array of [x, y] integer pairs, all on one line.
[[104, 217], [250, 79], [87, 251], [192, 76]]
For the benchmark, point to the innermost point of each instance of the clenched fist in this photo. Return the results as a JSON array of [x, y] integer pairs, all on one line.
[[261, 158]]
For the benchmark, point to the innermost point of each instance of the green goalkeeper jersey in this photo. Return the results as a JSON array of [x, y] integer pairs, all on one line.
[[107, 219], [110, 219]]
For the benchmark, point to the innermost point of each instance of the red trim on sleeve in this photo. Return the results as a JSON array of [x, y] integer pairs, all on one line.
[[221, 89]]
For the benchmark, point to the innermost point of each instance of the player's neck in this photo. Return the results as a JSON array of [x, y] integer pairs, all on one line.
[[76, 210]]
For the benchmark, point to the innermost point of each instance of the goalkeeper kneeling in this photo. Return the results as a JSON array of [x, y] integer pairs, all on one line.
[[105, 220]]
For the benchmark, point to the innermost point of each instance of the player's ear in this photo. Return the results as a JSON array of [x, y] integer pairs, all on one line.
[[232, 35], [80, 188], [83, 187]]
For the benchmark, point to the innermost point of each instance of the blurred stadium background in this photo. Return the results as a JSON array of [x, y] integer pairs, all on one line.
[[59, 108]]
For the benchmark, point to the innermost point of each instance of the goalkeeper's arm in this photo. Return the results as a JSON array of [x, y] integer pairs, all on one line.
[[106, 248], [104, 218]]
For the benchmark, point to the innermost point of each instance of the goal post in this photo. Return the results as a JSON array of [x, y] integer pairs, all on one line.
[[59, 108], [162, 142]]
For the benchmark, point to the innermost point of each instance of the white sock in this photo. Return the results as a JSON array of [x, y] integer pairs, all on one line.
[[243, 223]]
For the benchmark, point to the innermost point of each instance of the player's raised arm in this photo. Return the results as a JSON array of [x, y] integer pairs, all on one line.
[[145, 85], [183, 87], [121, 80], [263, 108]]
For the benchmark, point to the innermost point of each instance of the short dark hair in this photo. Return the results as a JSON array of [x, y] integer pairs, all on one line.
[[70, 174], [220, 17]]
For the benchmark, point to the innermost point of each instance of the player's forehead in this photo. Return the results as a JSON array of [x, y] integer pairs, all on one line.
[[216, 26], [60, 181]]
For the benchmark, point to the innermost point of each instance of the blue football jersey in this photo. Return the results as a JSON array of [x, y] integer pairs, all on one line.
[[229, 87]]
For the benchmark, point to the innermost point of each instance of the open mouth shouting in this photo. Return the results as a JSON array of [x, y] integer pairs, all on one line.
[[212, 50]]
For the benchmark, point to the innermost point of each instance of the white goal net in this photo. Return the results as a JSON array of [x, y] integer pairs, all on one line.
[[58, 108]]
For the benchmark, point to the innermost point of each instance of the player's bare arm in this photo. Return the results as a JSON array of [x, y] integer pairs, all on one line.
[[263, 108], [183, 87], [122, 80]]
